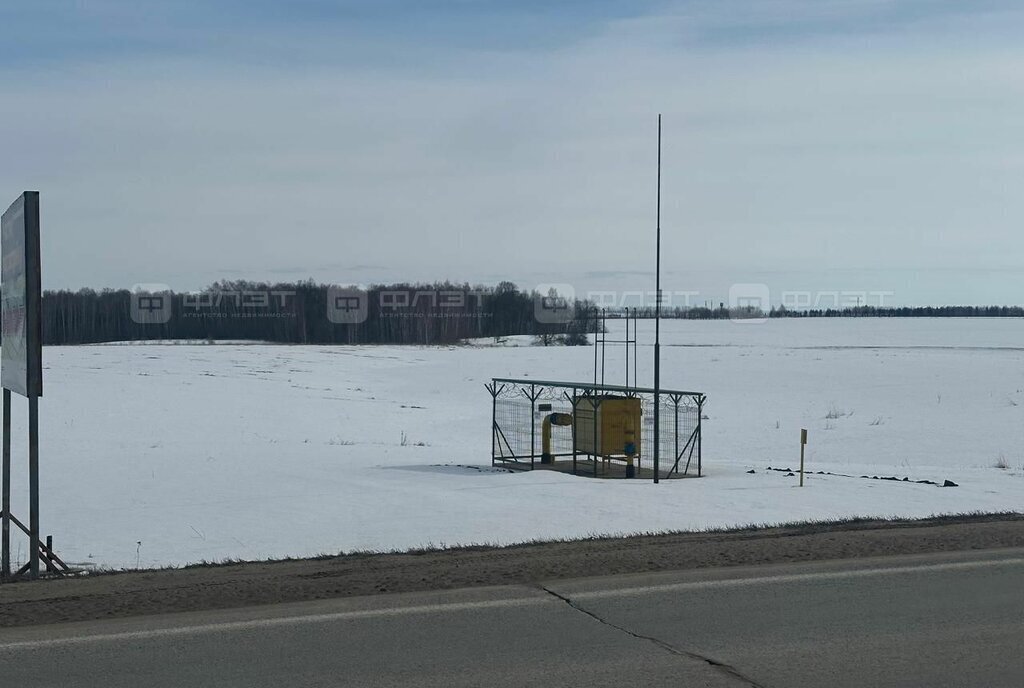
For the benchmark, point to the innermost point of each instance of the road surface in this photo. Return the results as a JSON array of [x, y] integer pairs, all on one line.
[[923, 620]]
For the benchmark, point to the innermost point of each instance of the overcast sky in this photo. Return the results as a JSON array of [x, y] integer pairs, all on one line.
[[858, 146]]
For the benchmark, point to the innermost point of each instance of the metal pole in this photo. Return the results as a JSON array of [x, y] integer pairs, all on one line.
[[627, 347], [657, 319], [635, 338], [33, 485], [5, 550], [605, 340]]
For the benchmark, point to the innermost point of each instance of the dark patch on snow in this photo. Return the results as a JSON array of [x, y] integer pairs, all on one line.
[[789, 472], [450, 468]]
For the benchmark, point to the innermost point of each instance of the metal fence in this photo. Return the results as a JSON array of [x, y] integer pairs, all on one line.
[[520, 407]]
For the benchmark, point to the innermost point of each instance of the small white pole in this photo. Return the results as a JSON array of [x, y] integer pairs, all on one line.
[[803, 443]]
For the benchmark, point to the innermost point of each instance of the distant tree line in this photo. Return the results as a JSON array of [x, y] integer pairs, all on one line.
[[404, 313], [725, 313], [903, 312], [310, 313]]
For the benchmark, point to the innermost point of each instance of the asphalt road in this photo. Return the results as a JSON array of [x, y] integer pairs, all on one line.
[[925, 620]]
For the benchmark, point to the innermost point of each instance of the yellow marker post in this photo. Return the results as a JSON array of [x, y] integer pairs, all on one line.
[[803, 443]]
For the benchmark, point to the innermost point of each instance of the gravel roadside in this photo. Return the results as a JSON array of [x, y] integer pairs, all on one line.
[[236, 585]]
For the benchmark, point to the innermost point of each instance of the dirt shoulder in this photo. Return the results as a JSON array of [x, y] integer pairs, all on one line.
[[237, 585]]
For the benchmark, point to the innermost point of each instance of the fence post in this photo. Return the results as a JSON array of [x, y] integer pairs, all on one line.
[[493, 389], [675, 451], [533, 424], [700, 432]]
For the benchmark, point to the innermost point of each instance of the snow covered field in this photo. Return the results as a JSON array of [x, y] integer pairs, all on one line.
[[205, 452]]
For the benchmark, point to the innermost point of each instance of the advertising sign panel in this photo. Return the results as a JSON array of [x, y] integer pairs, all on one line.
[[21, 360]]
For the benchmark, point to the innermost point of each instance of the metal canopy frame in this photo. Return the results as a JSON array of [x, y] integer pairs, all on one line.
[[623, 389]]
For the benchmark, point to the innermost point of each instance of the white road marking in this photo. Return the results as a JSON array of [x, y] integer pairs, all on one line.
[[253, 624], [793, 578], [256, 624]]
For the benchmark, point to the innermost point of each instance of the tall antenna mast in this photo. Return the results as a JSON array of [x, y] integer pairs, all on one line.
[[657, 319]]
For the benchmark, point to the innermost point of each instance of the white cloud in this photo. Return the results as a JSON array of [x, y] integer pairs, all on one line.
[[895, 149]]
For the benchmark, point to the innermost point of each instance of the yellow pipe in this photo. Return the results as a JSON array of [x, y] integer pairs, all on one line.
[[545, 433]]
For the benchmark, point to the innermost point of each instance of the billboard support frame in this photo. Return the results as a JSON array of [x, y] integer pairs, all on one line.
[[21, 287], [5, 556]]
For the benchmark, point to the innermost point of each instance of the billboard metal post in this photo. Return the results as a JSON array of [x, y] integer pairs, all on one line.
[[33, 486], [5, 563]]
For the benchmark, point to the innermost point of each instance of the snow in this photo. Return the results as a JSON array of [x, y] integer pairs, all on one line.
[[207, 452]]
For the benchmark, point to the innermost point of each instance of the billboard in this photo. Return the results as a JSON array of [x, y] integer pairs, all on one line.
[[21, 359]]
